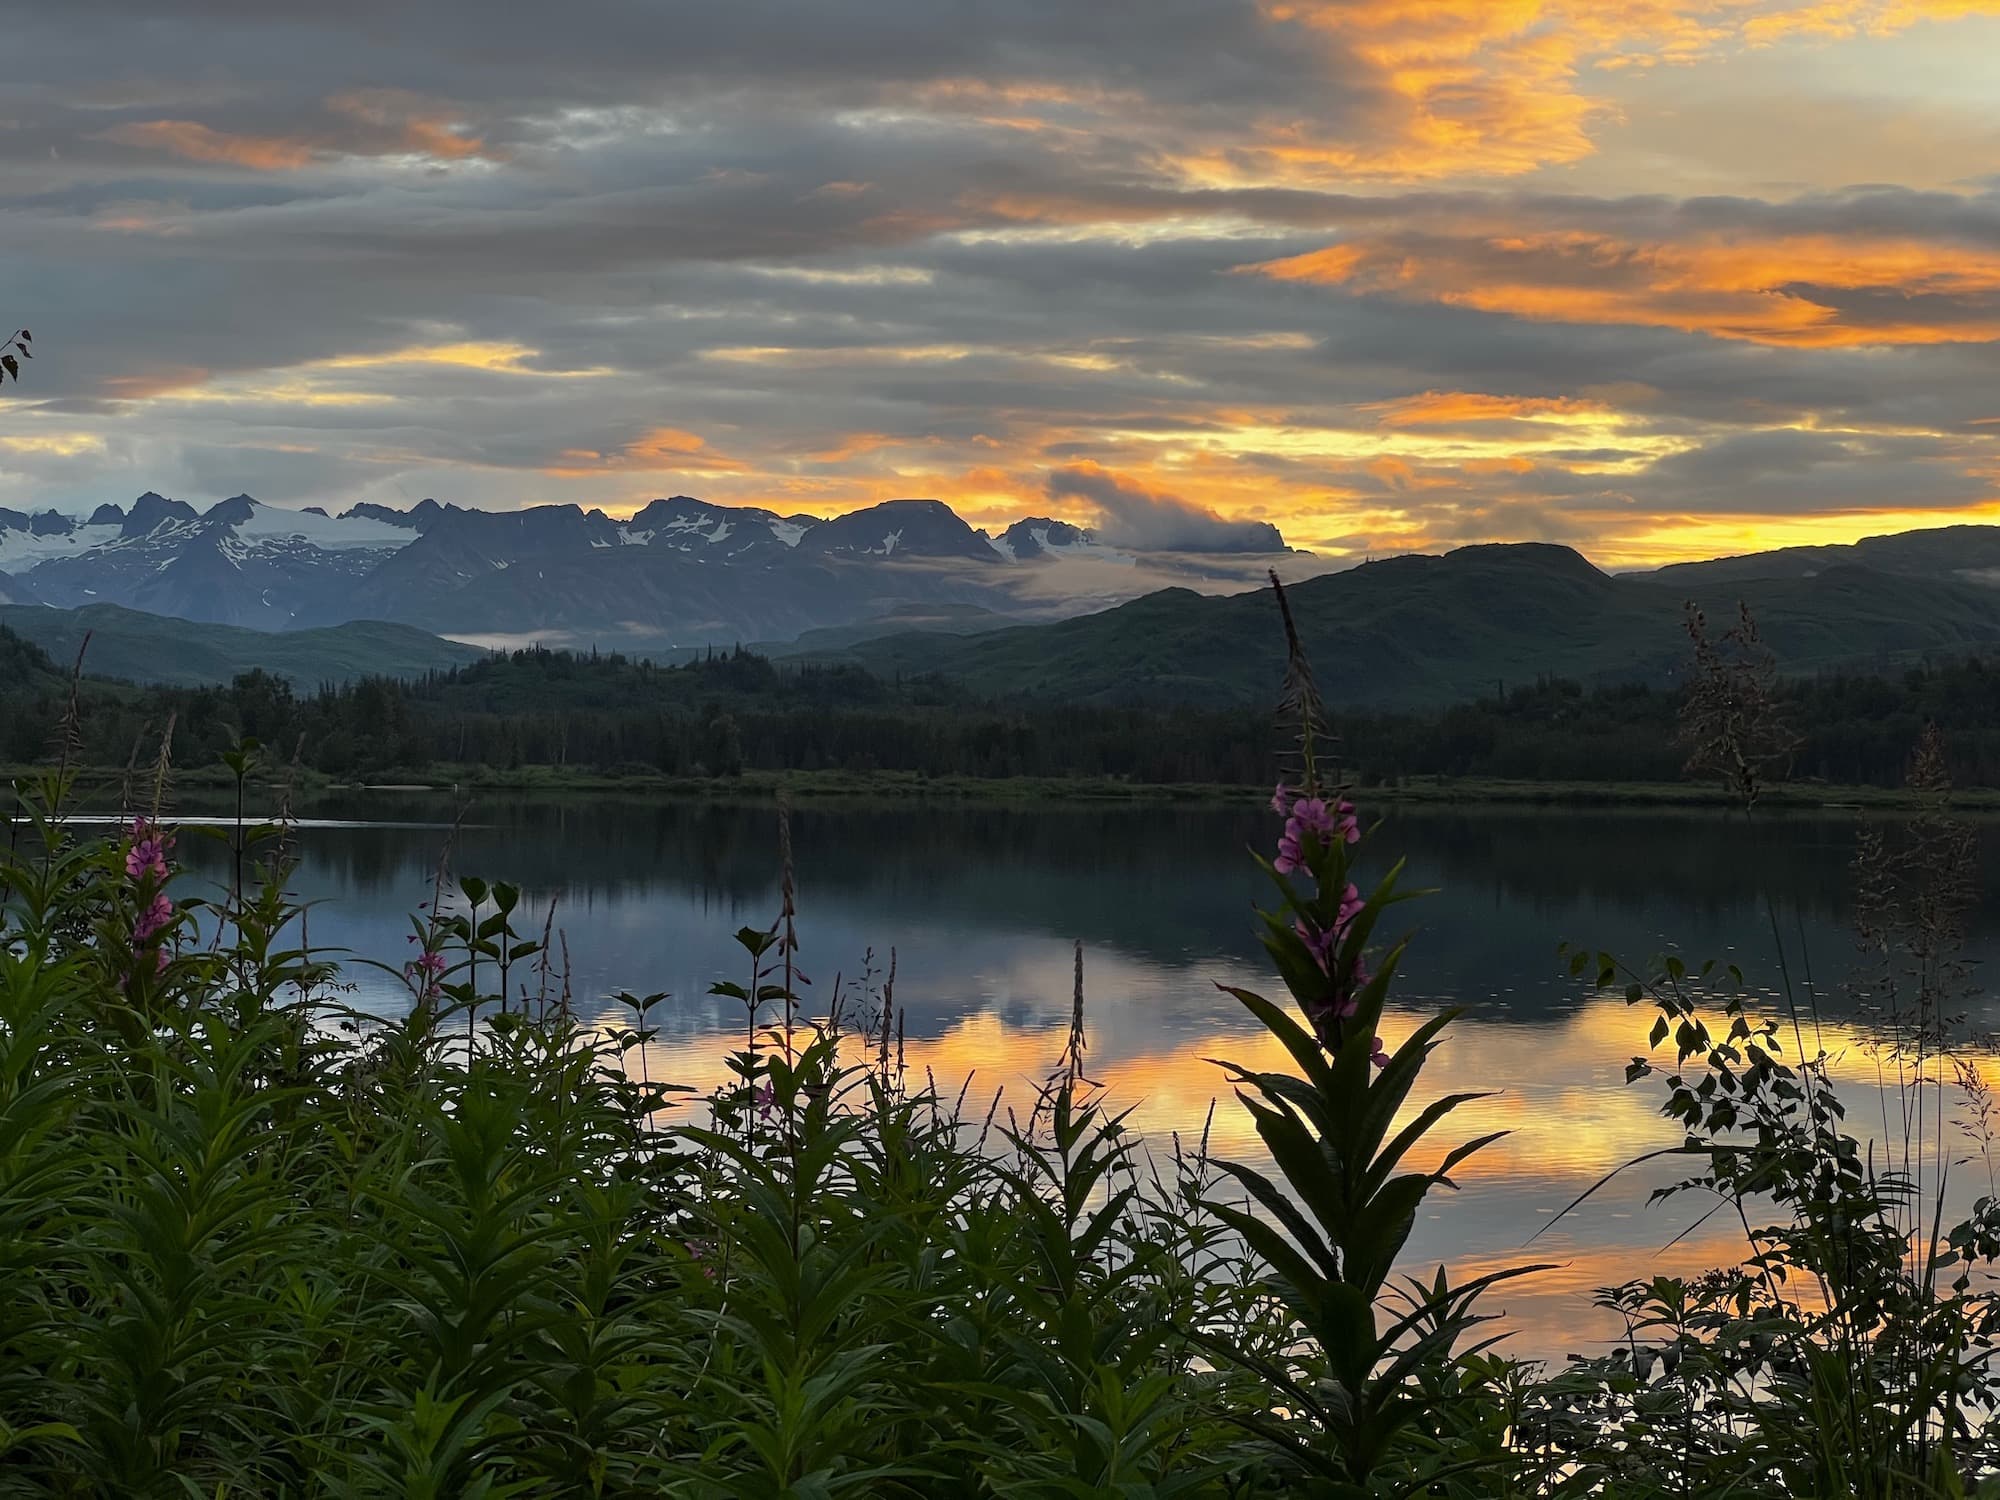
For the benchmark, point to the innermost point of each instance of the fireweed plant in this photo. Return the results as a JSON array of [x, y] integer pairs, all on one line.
[[258, 1242], [1366, 1390]]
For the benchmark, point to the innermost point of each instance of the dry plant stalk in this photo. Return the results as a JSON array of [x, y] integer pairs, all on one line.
[[1299, 705], [1732, 724], [163, 767]]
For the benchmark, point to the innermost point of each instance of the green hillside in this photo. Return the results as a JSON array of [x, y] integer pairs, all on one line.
[[1417, 632], [136, 647], [928, 619], [25, 668]]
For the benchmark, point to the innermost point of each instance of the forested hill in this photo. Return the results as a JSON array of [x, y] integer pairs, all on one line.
[[728, 713], [147, 648], [1427, 632]]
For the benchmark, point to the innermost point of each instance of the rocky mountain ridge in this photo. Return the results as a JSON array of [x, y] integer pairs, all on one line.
[[680, 571]]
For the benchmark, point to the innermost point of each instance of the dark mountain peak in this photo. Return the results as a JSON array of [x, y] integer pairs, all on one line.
[[685, 524], [1521, 560], [51, 523], [1550, 557], [1036, 536], [388, 515], [232, 512], [107, 515], [685, 509], [538, 526], [901, 528], [13, 520], [670, 506], [419, 517], [151, 511]]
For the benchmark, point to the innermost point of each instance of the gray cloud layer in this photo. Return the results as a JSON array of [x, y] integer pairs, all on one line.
[[205, 205]]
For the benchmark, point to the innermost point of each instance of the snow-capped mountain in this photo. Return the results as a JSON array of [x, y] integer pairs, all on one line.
[[681, 571], [240, 563], [1038, 536]]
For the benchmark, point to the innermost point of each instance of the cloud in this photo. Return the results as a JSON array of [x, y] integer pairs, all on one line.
[[197, 142], [367, 122], [661, 450], [1804, 290], [885, 249], [1463, 408], [1153, 521], [1794, 472]]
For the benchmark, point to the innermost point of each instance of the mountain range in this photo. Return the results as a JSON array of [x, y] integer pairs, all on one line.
[[908, 587], [680, 573], [1426, 631]]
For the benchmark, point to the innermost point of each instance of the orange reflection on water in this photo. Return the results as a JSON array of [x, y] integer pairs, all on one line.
[[1556, 1085]]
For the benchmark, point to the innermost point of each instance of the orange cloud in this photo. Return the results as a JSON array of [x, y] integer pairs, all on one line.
[[1469, 88], [1452, 408], [671, 450], [141, 216], [412, 125], [856, 445], [1807, 291], [391, 124], [196, 142]]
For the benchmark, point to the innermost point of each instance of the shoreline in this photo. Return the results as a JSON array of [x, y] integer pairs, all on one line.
[[834, 786]]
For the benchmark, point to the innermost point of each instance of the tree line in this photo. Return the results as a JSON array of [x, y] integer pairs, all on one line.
[[729, 712]]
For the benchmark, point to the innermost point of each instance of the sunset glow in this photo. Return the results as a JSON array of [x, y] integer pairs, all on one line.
[[1655, 278]]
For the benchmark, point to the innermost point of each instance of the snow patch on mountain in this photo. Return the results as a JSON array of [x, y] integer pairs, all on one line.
[[20, 550], [271, 523]]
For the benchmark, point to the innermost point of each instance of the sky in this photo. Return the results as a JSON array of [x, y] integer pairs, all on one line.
[[1653, 278]]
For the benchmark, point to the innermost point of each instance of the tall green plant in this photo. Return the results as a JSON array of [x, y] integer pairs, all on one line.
[[1348, 1409]]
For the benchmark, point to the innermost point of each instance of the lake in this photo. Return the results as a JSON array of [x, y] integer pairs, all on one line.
[[982, 906]]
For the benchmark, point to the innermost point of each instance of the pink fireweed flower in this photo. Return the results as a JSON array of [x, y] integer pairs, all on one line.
[[148, 854], [1291, 854], [1281, 799], [1293, 843], [424, 972], [766, 1101], [153, 919], [1350, 907], [1346, 825], [1312, 813], [1314, 816], [1379, 1057]]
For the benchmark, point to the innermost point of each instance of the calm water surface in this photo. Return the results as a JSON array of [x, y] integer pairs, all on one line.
[[982, 907]]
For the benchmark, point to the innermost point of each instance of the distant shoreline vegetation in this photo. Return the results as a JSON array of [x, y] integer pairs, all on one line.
[[810, 787], [558, 721]]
